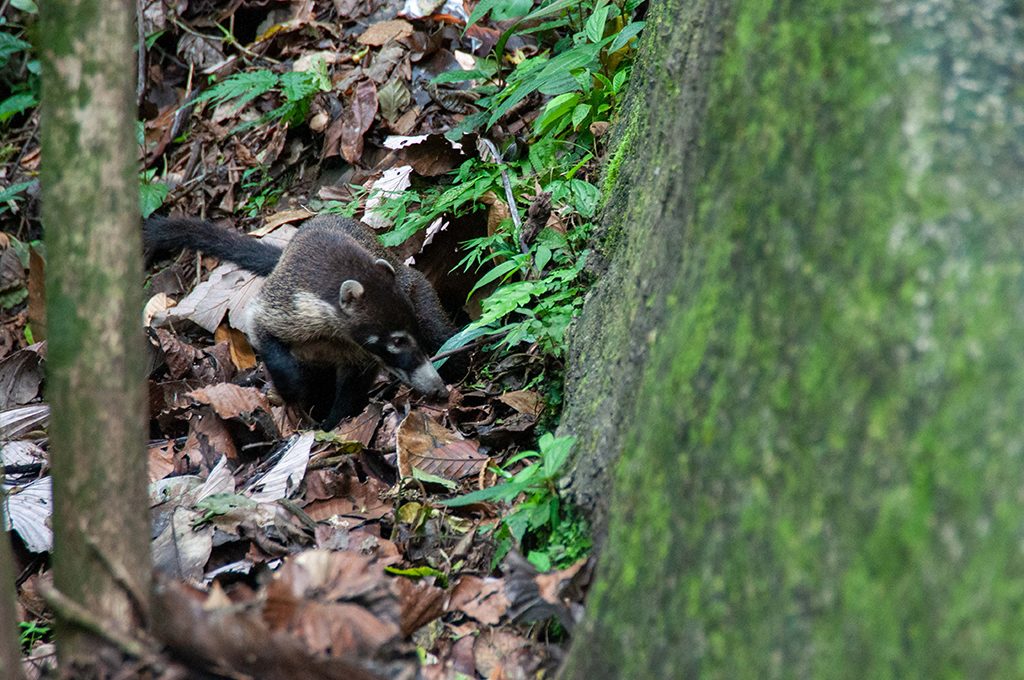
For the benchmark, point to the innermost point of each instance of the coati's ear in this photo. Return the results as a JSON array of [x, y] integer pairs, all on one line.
[[349, 296], [381, 262]]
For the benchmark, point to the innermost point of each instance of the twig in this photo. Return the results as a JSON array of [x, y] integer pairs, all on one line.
[[509, 196], [26, 469], [78, 616]]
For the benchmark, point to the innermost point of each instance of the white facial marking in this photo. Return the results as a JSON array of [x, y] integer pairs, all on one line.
[[372, 339]]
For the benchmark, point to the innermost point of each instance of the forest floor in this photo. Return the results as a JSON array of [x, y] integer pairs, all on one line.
[[354, 553]]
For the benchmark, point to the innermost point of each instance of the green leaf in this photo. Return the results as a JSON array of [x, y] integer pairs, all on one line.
[[428, 478], [11, 193], [554, 452], [25, 6], [153, 37], [511, 9], [11, 45], [505, 269], [496, 492], [481, 10], [625, 35], [554, 110], [594, 27], [243, 87], [541, 257], [151, 197], [539, 560], [415, 572], [619, 80], [15, 104], [579, 114]]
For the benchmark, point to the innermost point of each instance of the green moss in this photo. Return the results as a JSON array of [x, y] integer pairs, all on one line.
[[822, 473]]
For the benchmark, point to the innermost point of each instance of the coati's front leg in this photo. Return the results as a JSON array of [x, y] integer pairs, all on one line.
[[285, 370], [351, 385]]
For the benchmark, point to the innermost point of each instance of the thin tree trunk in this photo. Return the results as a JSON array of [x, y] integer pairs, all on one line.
[[95, 379], [10, 651], [821, 454]]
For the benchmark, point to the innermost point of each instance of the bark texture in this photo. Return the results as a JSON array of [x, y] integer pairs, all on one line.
[[821, 466], [10, 651], [95, 369]]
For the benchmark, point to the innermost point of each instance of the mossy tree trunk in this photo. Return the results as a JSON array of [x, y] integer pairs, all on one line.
[[817, 384], [95, 357], [10, 651]]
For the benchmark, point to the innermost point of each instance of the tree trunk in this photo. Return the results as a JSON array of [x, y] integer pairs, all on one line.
[[10, 650], [818, 230], [95, 356]]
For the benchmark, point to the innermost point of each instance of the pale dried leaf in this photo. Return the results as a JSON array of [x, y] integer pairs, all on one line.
[[182, 551], [21, 452], [228, 290], [220, 480], [28, 512], [158, 304], [283, 479], [17, 422], [390, 185]]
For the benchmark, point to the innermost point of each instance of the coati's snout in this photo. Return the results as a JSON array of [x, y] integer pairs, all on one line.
[[401, 356], [394, 346]]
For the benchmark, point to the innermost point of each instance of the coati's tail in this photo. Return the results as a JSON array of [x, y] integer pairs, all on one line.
[[162, 235]]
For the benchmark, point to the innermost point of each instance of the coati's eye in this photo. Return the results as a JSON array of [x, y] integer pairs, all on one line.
[[399, 342]]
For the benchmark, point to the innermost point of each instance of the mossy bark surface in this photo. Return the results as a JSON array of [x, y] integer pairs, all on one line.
[[95, 358], [822, 462]]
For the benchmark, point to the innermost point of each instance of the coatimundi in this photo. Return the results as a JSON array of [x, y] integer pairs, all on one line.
[[335, 306]]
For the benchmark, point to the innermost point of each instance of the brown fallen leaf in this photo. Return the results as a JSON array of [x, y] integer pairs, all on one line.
[[526, 402], [161, 460], [208, 439], [21, 375], [337, 602], [385, 31], [361, 112], [236, 637], [232, 401], [281, 217], [426, 445], [420, 602], [534, 596], [483, 599], [360, 428], [37, 293], [333, 494]]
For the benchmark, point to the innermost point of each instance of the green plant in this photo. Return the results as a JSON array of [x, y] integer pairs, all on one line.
[[413, 210], [552, 534], [295, 88], [152, 192], [31, 633], [263, 191], [19, 72], [584, 73]]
